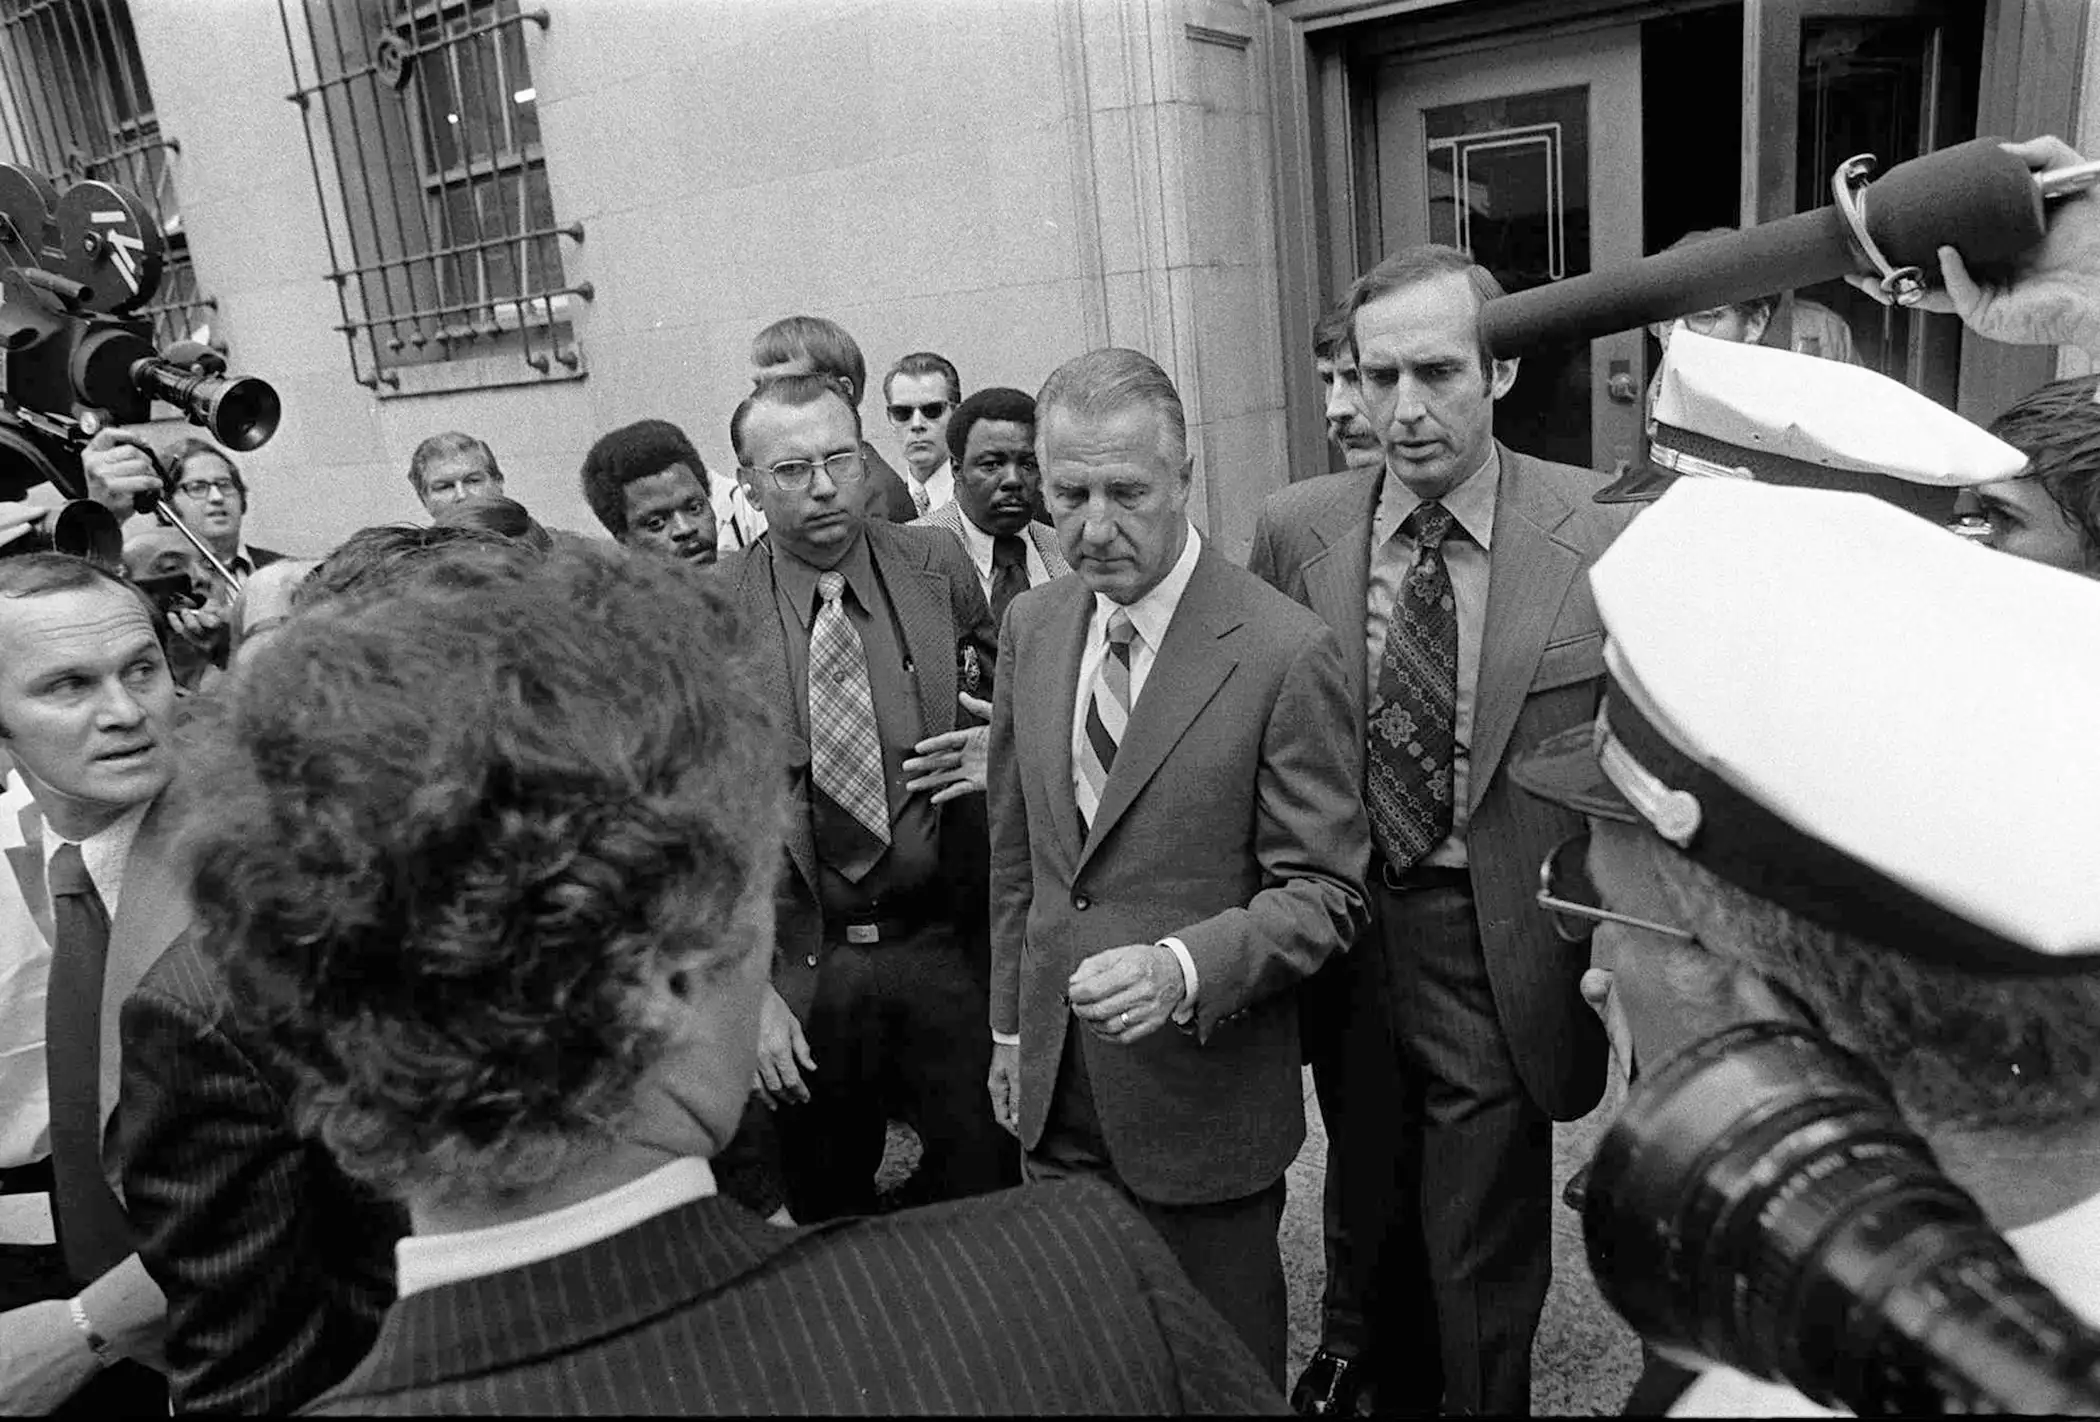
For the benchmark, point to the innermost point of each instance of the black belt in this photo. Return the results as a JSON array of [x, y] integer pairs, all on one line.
[[887, 920], [31, 1179], [1421, 877]]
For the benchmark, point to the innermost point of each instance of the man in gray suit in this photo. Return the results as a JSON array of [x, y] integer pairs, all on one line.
[[991, 447], [1177, 841], [1459, 570]]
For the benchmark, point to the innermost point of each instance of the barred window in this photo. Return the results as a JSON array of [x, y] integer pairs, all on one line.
[[74, 104], [423, 124]]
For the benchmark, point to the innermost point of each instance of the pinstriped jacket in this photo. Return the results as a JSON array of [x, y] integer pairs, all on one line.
[[1056, 1298]]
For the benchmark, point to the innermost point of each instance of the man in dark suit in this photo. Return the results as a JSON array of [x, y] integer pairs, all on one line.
[[87, 715], [991, 444], [520, 960], [1177, 841], [203, 485], [1458, 570], [870, 635], [815, 345]]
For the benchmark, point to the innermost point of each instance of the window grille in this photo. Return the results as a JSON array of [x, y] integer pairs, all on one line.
[[74, 104], [423, 126]]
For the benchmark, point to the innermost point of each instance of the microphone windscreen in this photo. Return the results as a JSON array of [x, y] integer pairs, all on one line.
[[1975, 197]]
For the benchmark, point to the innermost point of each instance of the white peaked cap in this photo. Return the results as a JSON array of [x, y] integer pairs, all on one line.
[[1884, 722], [1788, 405]]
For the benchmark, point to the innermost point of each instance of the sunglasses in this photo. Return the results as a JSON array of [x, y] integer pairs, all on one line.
[[1571, 900], [932, 410]]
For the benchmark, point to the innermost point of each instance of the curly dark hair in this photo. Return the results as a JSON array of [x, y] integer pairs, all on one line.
[[630, 453], [2057, 426], [464, 838], [1962, 1048]]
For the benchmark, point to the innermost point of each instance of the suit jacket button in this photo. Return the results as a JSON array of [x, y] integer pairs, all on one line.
[[1081, 902]]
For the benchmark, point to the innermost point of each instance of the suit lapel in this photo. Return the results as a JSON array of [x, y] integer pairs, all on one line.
[[27, 861], [1046, 697], [1530, 573], [1046, 548], [1186, 673], [920, 598], [152, 913], [761, 610], [1337, 578]]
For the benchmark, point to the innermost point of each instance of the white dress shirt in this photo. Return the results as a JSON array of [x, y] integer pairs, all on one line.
[[939, 487], [431, 1261], [978, 544], [104, 853], [1472, 505], [2062, 1252]]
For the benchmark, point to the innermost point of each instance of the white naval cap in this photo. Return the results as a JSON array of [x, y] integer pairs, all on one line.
[[1863, 718], [1728, 410]]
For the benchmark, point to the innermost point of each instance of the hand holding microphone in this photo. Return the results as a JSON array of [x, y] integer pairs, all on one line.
[[2051, 294]]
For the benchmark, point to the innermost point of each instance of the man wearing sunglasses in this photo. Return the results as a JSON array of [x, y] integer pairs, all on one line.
[[1783, 824], [920, 394], [878, 646]]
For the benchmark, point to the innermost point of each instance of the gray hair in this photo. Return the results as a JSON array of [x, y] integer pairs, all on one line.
[[1106, 382]]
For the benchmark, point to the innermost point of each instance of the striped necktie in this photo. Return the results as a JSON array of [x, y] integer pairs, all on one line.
[[1107, 717], [845, 750]]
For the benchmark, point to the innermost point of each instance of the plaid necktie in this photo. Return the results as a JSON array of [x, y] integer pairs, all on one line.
[[1107, 716], [1414, 708], [845, 753], [919, 497], [1009, 573], [91, 1223]]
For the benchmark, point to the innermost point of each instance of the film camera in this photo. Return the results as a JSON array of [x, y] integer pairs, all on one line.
[[1760, 1203], [75, 357]]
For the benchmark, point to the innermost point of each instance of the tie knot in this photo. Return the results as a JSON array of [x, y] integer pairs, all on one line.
[[69, 875], [1429, 525], [1008, 551], [1121, 630], [831, 586]]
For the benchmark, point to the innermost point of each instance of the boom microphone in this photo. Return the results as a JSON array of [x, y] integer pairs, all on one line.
[[1975, 197]]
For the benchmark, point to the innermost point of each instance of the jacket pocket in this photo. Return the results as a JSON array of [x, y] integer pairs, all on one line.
[[1569, 661]]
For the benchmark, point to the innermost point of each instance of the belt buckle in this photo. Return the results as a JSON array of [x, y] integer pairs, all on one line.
[[1395, 879], [863, 933]]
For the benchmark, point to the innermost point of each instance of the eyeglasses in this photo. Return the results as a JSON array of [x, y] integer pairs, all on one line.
[[205, 488], [932, 410], [792, 476], [1570, 899]]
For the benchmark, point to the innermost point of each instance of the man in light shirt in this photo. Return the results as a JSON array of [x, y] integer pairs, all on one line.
[[991, 440], [86, 712], [521, 959], [920, 395]]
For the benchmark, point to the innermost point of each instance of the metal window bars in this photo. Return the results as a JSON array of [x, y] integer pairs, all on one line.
[[74, 104], [430, 123]]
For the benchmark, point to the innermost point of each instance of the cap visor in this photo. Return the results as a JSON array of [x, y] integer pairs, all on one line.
[[1641, 483], [1562, 770]]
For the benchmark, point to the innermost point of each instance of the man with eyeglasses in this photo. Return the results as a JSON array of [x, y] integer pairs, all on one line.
[[920, 395], [1781, 825], [873, 638], [204, 487], [817, 345]]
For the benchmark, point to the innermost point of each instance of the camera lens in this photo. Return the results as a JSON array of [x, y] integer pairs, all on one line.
[[1761, 1203]]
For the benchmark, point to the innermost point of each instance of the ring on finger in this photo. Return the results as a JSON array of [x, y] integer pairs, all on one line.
[[1122, 1020]]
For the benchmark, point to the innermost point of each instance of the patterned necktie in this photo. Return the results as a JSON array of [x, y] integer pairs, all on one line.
[[919, 498], [845, 751], [1414, 708], [1107, 717], [90, 1221], [1009, 573]]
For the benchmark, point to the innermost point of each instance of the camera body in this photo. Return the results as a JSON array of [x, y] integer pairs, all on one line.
[[1761, 1203]]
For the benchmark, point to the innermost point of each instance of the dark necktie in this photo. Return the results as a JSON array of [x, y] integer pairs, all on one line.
[[91, 1223], [845, 746], [1413, 711], [1009, 573]]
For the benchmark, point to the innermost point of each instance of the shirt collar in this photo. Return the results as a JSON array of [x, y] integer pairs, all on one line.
[[104, 853], [14, 800], [430, 1261], [1472, 503], [976, 542], [939, 485], [800, 579], [1151, 613]]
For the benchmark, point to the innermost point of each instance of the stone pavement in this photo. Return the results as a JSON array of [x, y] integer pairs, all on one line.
[[1584, 1361]]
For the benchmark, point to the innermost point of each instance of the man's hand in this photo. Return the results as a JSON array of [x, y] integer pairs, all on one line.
[[1004, 1083], [1596, 988], [783, 1053], [952, 764], [119, 466], [43, 1359], [1124, 995], [17, 519], [204, 627], [2053, 294]]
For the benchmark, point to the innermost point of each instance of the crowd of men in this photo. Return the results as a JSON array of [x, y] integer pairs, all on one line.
[[476, 971]]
